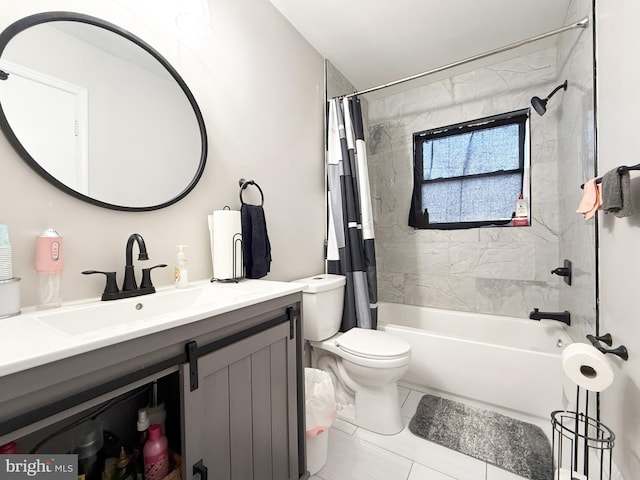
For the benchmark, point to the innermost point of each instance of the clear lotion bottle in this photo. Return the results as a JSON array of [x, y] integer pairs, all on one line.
[[48, 267], [181, 269]]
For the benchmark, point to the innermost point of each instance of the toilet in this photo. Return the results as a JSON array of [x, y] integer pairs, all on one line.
[[365, 365]]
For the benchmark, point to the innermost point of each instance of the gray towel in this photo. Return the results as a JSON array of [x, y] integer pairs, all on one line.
[[611, 191], [627, 205], [616, 193]]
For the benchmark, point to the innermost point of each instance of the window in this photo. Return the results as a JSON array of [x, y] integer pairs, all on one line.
[[470, 174]]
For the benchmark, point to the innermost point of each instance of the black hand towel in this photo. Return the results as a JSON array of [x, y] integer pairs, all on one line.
[[256, 248]]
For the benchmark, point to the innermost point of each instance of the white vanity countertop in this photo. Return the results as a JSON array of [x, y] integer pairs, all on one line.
[[33, 338]]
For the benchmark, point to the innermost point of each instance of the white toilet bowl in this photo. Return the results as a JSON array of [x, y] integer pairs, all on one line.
[[366, 365]]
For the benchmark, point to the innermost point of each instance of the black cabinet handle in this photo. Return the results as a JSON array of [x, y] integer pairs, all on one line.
[[200, 468]]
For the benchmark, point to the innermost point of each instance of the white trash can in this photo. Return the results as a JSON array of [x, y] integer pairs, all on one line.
[[320, 412]]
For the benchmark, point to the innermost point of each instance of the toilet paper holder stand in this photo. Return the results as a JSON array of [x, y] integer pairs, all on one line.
[[620, 351], [237, 276], [581, 443]]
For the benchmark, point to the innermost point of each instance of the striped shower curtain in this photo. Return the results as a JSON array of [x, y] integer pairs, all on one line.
[[351, 244]]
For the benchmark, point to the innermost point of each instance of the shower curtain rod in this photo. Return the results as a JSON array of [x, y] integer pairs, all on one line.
[[581, 24]]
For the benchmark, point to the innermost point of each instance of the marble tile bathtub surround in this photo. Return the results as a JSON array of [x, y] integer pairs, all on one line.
[[497, 270], [576, 164]]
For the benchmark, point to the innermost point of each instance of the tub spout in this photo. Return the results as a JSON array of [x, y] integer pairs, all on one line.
[[564, 317]]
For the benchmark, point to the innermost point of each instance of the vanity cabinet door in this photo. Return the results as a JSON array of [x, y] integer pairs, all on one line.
[[241, 420]]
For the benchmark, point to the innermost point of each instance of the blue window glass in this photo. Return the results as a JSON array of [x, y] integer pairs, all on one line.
[[470, 174]]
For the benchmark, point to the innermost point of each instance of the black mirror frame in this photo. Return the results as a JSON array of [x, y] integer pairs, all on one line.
[[39, 18]]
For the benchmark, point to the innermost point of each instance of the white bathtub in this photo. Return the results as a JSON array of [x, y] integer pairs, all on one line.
[[511, 363]]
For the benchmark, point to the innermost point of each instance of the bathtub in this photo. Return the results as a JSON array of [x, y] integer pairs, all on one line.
[[511, 363]]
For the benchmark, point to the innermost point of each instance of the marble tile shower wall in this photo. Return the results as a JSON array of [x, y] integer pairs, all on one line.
[[498, 270], [576, 151], [337, 84]]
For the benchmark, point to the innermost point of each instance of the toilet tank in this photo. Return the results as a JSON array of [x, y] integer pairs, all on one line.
[[322, 304]]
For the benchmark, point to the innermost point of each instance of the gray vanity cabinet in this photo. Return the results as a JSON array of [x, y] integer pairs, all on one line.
[[232, 385], [241, 420]]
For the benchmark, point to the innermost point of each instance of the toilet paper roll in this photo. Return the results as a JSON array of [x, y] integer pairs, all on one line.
[[226, 233], [587, 367]]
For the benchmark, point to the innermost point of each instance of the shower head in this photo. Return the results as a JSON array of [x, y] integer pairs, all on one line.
[[540, 104]]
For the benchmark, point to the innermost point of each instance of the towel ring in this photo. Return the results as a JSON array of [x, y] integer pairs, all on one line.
[[244, 184]]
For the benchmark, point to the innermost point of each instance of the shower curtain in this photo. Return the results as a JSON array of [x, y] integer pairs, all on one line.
[[351, 244]]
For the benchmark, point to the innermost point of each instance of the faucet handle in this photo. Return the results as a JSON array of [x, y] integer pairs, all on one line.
[[146, 275], [111, 286]]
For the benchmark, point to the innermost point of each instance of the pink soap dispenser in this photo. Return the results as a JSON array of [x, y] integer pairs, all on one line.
[[48, 266], [156, 454]]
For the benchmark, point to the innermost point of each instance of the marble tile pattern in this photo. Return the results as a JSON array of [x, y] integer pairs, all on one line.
[[337, 84], [497, 270], [576, 151]]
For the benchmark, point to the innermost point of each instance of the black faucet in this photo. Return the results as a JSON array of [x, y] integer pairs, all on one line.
[[129, 275], [129, 286], [564, 317]]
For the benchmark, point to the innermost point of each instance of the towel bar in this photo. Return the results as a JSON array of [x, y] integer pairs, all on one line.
[[621, 170]]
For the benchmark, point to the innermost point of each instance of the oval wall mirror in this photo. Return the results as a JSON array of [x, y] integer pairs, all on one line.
[[98, 112]]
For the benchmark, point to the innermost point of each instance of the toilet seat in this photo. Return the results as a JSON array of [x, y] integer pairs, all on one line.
[[374, 344], [368, 348]]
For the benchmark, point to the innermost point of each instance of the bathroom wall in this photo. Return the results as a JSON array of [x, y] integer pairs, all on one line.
[[497, 270], [618, 100], [259, 85]]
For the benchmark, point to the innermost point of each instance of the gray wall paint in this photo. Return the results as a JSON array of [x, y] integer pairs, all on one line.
[[618, 100], [260, 87]]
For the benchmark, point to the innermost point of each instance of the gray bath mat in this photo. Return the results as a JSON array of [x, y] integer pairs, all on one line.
[[507, 443]]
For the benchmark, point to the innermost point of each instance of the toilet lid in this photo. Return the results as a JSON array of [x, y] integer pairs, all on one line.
[[373, 344]]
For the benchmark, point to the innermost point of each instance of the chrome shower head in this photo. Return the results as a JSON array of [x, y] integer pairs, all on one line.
[[540, 105]]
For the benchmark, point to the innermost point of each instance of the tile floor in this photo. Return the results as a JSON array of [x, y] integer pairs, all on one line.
[[358, 454]]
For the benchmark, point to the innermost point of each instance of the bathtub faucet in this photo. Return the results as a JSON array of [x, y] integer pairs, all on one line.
[[564, 317]]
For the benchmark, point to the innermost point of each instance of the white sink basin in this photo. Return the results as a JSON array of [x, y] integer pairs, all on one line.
[[77, 328], [93, 317], [114, 317]]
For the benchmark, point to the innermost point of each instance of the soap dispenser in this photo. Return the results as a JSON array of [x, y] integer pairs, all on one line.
[[48, 266], [181, 273]]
